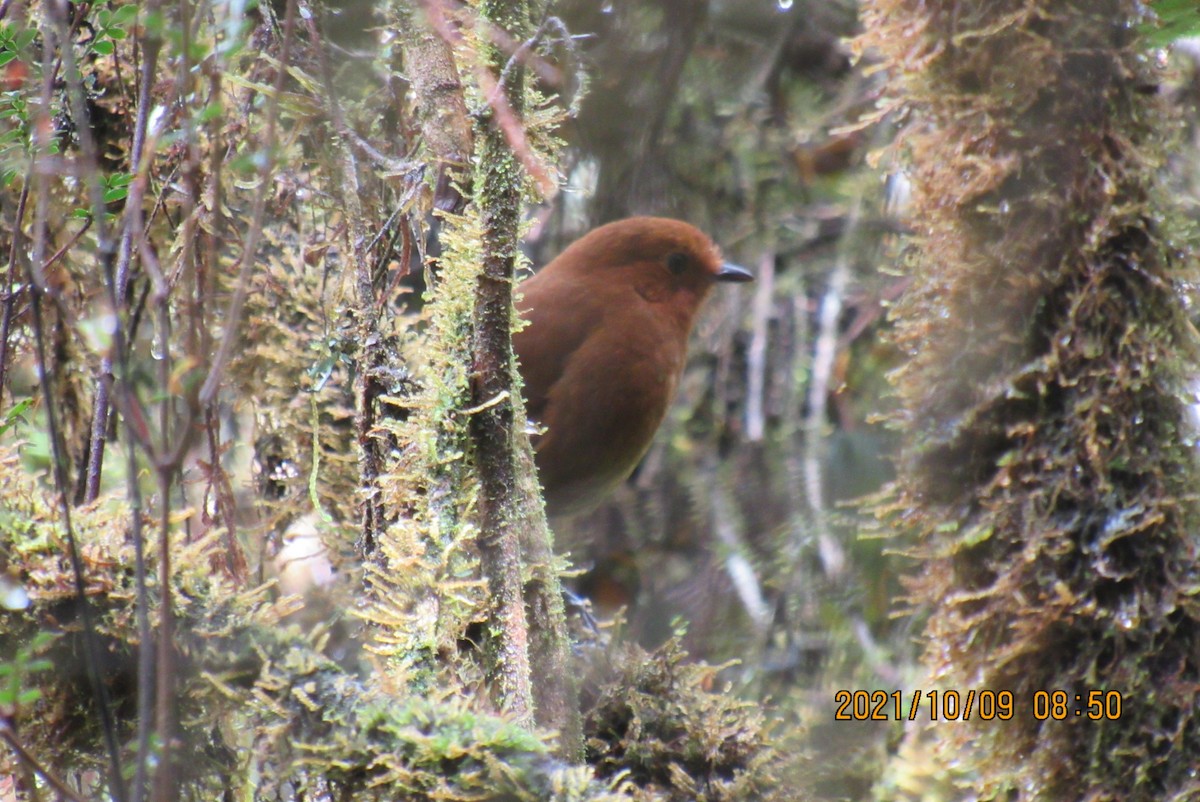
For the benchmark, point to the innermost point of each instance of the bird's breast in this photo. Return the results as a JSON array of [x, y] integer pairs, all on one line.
[[602, 412]]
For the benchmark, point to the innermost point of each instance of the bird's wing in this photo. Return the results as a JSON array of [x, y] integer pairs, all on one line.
[[559, 319]]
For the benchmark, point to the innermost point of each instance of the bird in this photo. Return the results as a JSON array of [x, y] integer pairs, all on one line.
[[608, 322]]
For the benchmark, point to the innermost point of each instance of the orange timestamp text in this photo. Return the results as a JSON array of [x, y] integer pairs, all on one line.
[[986, 705]]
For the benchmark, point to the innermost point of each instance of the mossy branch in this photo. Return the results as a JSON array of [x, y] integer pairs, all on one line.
[[510, 514], [500, 190]]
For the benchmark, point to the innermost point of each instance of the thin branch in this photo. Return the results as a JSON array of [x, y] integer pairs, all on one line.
[[756, 354], [93, 655], [118, 285], [746, 583], [491, 428], [372, 355], [517, 50], [29, 760], [495, 91], [10, 296], [833, 557], [61, 252]]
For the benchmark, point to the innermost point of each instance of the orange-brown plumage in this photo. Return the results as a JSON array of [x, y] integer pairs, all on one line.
[[609, 321]]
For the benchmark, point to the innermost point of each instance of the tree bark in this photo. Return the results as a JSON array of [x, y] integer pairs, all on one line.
[[492, 381], [512, 519]]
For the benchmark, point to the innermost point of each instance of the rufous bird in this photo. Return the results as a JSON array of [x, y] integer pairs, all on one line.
[[609, 321]]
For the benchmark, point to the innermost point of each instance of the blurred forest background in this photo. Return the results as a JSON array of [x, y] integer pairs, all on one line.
[[224, 231]]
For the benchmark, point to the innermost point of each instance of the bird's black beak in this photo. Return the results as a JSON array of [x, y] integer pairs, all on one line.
[[734, 273]]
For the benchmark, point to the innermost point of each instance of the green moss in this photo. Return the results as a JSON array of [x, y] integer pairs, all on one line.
[[1044, 471], [659, 723]]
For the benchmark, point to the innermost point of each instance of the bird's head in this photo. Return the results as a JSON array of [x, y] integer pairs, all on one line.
[[664, 261]]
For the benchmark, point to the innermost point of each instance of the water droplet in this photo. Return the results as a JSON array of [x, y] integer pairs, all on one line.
[[1127, 617], [13, 597], [784, 5], [156, 347]]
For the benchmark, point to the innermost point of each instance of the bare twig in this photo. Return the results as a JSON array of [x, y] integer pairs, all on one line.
[[93, 656], [495, 91], [756, 354], [52, 43], [515, 48], [29, 760], [441, 109], [10, 299], [833, 557], [737, 565], [61, 252], [118, 285], [373, 354]]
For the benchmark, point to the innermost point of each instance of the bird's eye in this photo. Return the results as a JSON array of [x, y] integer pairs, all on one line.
[[677, 263]]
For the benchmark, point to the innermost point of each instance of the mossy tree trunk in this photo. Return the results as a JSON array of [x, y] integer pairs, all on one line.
[[492, 374], [1048, 472], [510, 515]]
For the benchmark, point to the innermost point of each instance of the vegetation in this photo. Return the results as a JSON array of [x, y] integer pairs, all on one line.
[[268, 521]]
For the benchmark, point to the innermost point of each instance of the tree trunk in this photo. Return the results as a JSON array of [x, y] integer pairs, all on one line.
[[1047, 471]]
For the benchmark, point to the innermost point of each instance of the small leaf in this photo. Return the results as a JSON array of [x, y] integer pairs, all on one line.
[[210, 112], [124, 14], [14, 416], [977, 534], [104, 47], [1177, 19]]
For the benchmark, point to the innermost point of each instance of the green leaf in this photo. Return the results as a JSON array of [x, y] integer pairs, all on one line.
[[154, 23], [14, 415], [210, 112], [104, 47], [977, 534], [1177, 19], [125, 14]]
